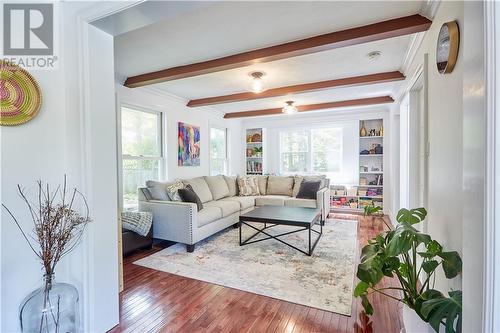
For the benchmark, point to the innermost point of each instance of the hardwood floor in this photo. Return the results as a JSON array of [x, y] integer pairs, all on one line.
[[155, 301]]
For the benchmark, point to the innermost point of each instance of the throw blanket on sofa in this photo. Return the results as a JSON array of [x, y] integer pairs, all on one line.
[[138, 222]]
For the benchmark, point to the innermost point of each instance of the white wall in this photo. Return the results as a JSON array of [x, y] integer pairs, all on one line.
[[50, 146], [175, 110], [445, 132], [445, 136], [478, 134]]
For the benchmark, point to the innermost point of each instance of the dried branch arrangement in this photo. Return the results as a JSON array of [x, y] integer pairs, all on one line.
[[57, 226]]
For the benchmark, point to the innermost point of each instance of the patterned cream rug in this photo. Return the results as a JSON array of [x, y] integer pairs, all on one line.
[[270, 268]]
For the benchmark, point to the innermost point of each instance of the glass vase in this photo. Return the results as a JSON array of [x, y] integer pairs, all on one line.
[[52, 308]]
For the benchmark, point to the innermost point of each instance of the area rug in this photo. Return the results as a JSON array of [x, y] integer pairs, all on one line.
[[270, 268]]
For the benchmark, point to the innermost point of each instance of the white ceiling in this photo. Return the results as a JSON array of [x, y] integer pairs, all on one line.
[[144, 14], [192, 34]]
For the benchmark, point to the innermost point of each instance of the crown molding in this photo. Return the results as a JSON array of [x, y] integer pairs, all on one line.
[[318, 118], [162, 93], [411, 51], [172, 97], [429, 8], [410, 82]]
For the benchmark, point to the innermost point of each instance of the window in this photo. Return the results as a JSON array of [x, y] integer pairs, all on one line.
[[326, 150], [142, 156], [294, 151], [218, 151], [317, 150]]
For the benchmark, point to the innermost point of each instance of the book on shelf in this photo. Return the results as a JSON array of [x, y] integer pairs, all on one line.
[[254, 167]]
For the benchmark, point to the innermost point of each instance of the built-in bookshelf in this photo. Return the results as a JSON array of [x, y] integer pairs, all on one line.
[[370, 186], [254, 151]]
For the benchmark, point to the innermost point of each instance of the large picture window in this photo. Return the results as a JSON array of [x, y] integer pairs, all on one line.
[[218, 151], [317, 150], [142, 153]]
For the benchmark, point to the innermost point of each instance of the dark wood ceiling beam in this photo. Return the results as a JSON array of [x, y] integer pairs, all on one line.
[[313, 107], [364, 34], [300, 88]]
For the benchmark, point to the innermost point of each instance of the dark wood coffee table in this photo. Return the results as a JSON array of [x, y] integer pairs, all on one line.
[[271, 216]]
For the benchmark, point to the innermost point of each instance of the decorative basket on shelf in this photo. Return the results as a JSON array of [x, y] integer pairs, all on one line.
[[256, 138]]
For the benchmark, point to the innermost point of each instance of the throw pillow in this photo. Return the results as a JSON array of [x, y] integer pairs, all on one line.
[[173, 190], [217, 186], [315, 178], [248, 186], [145, 194], [308, 189], [262, 182], [232, 185], [158, 190], [297, 180], [138, 222], [280, 185], [154, 183], [158, 193], [200, 186], [187, 194]]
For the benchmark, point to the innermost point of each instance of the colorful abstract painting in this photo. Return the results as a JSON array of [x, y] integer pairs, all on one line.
[[189, 145]]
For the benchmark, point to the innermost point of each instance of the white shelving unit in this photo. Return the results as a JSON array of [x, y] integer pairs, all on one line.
[[254, 154], [369, 189]]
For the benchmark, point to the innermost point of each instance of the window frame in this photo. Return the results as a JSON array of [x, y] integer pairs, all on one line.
[[161, 126], [226, 146]]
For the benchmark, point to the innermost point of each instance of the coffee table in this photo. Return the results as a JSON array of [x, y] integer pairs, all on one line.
[[271, 216]]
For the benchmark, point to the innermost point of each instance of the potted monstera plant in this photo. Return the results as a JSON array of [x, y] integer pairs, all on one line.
[[413, 258]]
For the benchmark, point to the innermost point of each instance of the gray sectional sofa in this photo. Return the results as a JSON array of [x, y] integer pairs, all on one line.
[[182, 222]]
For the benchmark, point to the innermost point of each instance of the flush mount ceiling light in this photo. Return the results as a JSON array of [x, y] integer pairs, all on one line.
[[290, 108], [374, 55], [257, 86]]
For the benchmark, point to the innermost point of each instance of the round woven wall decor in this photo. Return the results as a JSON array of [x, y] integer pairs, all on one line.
[[20, 96]]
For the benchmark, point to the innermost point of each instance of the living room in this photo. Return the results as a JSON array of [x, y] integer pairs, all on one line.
[[232, 179]]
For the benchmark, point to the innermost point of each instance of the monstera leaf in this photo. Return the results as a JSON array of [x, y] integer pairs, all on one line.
[[371, 271], [427, 295], [361, 289], [403, 238], [452, 263], [444, 310], [429, 266], [433, 249], [411, 216]]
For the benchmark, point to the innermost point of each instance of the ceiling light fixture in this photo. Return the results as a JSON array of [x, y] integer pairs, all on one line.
[[374, 55], [290, 108], [257, 86]]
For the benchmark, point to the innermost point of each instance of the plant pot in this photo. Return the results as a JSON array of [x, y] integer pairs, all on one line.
[[413, 323]]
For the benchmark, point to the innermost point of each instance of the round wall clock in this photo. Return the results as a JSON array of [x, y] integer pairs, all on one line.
[[20, 96], [447, 47]]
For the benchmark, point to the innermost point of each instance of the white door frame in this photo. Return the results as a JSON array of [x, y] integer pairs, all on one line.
[[481, 168], [491, 322], [410, 136], [94, 316]]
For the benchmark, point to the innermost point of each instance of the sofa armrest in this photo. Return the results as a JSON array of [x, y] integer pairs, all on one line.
[[172, 220], [323, 202]]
